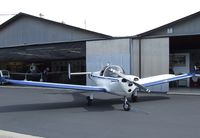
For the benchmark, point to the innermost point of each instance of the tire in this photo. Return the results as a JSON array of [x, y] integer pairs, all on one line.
[[134, 98], [126, 106], [89, 101]]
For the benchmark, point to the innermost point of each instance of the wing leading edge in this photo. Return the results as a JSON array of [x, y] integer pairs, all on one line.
[[160, 79], [57, 85]]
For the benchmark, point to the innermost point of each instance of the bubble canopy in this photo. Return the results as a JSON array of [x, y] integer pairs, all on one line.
[[109, 73]]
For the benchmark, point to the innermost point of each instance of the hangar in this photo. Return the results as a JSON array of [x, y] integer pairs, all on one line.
[[26, 39], [183, 42], [172, 47]]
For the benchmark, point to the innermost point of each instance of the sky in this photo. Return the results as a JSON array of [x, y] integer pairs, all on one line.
[[111, 17]]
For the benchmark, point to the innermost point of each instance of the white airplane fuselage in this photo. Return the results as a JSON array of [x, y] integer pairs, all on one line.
[[114, 85]]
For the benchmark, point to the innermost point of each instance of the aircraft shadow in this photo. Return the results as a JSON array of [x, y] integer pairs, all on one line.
[[99, 105], [152, 98]]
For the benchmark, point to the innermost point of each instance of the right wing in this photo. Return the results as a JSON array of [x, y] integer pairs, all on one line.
[[56, 85], [160, 79]]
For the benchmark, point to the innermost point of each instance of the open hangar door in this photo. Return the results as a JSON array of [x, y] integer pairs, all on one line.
[[55, 56], [184, 55]]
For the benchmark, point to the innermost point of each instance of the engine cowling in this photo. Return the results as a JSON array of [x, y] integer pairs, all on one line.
[[127, 85]]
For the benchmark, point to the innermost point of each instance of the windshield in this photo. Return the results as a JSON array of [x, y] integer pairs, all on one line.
[[109, 71]]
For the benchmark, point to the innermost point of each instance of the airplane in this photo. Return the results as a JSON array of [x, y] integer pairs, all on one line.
[[112, 80]]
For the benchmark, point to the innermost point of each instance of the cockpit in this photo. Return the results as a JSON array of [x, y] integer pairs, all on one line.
[[109, 71]]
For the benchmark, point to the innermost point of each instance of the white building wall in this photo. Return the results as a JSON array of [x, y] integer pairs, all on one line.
[[125, 53], [135, 57], [155, 59], [99, 53]]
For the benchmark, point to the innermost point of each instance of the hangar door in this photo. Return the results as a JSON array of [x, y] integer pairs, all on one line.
[[184, 55], [99, 53], [55, 56], [155, 59]]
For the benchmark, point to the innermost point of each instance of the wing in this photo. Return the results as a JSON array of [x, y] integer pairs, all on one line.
[[160, 79], [57, 85]]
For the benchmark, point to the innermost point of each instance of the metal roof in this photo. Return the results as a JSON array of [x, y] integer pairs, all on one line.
[[21, 15], [184, 19]]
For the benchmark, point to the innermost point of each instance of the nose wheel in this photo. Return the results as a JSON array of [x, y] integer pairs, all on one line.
[[126, 105]]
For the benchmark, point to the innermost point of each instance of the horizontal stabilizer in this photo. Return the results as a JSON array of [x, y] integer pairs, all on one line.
[[75, 73]]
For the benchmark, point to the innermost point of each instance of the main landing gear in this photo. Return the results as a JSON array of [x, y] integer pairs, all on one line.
[[90, 99], [134, 96], [126, 105]]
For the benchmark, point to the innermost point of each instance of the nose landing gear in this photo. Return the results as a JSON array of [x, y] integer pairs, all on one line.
[[126, 105]]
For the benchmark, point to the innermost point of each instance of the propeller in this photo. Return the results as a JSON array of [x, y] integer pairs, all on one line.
[[130, 80], [141, 87]]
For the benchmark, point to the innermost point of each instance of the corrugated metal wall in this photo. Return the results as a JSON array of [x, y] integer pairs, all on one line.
[[155, 59], [134, 57], [125, 52], [28, 31], [188, 27], [99, 53]]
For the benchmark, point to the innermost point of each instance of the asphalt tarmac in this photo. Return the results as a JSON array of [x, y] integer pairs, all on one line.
[[55, 113]]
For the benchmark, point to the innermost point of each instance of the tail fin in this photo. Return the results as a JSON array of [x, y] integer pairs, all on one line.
[[75, 73], [196, 74], [196, 71], [4, 74], [69, 71], [2, 80]]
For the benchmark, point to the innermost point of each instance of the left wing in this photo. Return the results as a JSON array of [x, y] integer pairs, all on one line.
[[57, 85], [160, 79]]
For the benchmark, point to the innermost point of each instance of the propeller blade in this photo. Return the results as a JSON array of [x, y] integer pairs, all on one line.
[[131, 81], [141, 87]]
